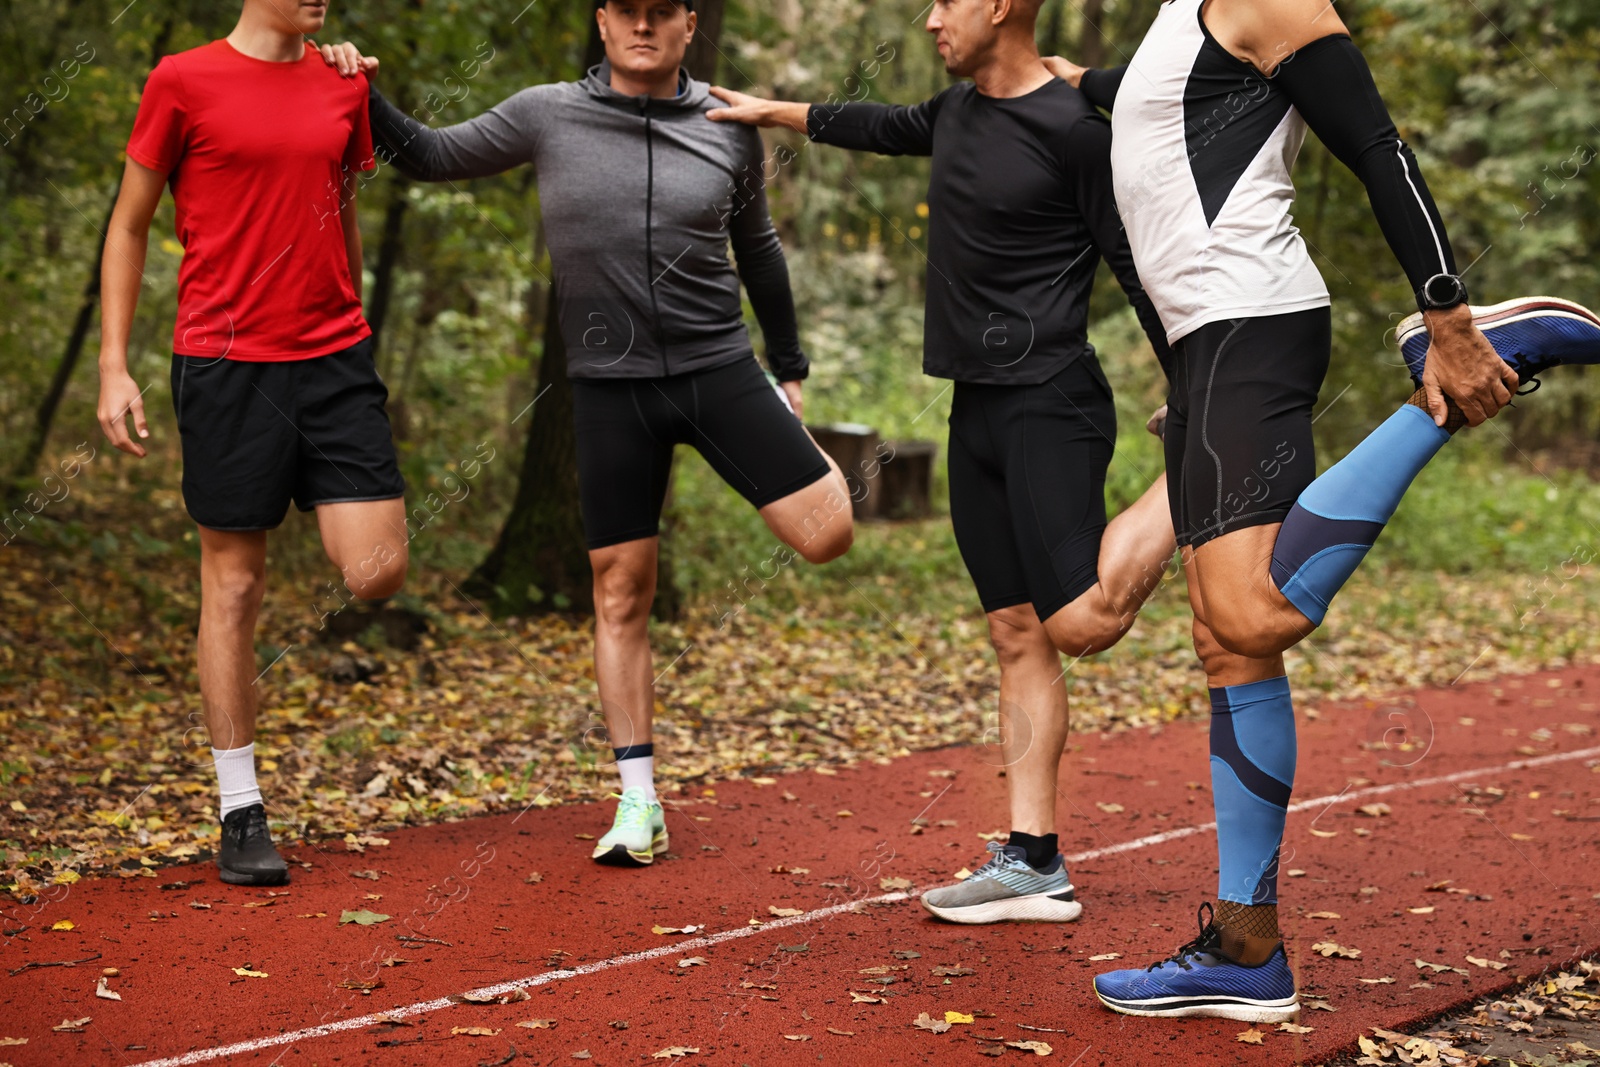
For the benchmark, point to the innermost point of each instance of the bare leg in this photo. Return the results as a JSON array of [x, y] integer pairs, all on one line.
[[367, 541], [232, 582], [1134, 553], [817, 521], [624, 588], [1248, 614], [1033, 716]]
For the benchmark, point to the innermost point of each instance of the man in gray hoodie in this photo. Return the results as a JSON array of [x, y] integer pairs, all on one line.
[[641, 197]]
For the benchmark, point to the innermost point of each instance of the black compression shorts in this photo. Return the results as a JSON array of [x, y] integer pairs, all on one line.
[[256, 435], [627, 428], [1027, 485], [1238, 438]]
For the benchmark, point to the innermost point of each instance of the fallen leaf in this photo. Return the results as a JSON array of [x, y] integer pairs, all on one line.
[[1296, 873], [534, 878], [1110, 809], [906, 954], [784, 913], [1323, 915], [1323, 833], [1376, 811], [538, 1024], [841, 1033], [1438, 967], [72, 1026], [956, 1017], [9, 1041], [1428, 910], [362, 918], [103, 992], [1386, 980], [1496, 964], [245, 972], [962, 875], [584, 837], [952, 972], [894, 884], [1105, 956], [513, 997], [929, 1023], [1293, 1028], [64, 925], [845, 814], [673, 1052], [197, 906], [472, 1031], [371, 876], [692, 961], [782, 869], [1332, 948], [762, 781], [863, 998], [1038, 1048], [1251, 1036], [1320, 1005], [582, 1054], [797, 1037]]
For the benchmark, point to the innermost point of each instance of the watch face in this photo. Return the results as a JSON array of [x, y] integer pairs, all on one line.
[[1444, 290]]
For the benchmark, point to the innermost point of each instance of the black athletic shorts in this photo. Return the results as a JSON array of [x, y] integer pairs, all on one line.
[[1027, 485], [1239, 417], [627, 428], [256, 435]]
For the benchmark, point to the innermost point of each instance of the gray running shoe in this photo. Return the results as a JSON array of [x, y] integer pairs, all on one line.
[[1006, 889]]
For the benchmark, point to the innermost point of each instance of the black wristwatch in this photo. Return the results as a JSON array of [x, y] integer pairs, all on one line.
[[1441, 293]]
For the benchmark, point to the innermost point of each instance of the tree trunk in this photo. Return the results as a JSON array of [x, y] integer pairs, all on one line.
[[539, 563], [1092, 41], [377, 309], [28, 461]]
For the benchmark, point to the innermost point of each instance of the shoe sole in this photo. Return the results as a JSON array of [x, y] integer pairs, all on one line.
[[246, 878], [1506, 313], [1239, 1009], [1056, 906], [623, 856]]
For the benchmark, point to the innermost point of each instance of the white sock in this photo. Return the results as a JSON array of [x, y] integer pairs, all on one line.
[[236, 776], [639, 772]]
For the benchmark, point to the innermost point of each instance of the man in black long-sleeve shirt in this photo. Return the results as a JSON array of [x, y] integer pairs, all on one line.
[[1021, 210]]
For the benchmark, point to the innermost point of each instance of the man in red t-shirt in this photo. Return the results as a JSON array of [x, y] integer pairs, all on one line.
[[273, 382]]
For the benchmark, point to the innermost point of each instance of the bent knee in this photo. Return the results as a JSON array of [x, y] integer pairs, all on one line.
[[1253, 637], [379, 586], [829, 544]]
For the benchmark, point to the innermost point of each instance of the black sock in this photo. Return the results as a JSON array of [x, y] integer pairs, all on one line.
[[1040, 850]]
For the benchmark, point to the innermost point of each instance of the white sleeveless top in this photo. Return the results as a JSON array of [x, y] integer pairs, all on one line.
[[1202, 148]]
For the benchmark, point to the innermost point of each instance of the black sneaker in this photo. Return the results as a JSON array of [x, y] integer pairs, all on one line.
[[248, 855]]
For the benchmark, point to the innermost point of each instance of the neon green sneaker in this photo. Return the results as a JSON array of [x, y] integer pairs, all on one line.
[[638, 834]]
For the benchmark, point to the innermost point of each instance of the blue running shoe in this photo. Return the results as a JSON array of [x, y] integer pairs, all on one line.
[[1199, 980], [1532, 333]]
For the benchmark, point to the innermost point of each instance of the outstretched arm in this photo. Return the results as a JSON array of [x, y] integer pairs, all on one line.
[[887, 129], [1089, 162], [1306, 48]]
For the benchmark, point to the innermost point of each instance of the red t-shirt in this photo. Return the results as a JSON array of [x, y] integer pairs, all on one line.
[[256, 153]]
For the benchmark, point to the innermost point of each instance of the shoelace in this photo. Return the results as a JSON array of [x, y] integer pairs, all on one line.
[[999, 861], [253, 826], [1207, 943], [632, 811]]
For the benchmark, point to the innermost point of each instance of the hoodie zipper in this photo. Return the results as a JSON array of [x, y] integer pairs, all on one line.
[[649, 228]]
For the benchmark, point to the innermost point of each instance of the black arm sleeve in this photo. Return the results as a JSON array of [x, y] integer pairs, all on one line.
[[1330, 84], [1088, 160], [762, 267], [1101, 86], [887, 129]]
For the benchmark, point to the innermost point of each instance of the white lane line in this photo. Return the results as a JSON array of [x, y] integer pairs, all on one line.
[[1353, 794], [676, 948], [680, 947]]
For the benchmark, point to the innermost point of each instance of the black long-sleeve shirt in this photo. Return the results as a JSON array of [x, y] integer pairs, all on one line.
[[1020, 213]]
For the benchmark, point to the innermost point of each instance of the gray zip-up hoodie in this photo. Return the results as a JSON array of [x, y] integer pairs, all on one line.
[[641, 197]]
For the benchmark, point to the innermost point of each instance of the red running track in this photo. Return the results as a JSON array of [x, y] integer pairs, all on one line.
[[1502, 801]]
